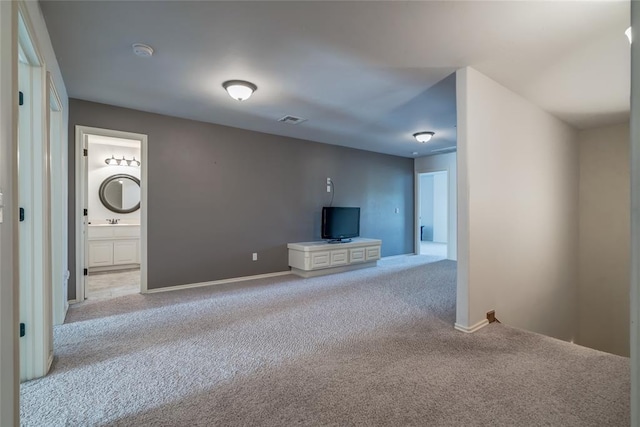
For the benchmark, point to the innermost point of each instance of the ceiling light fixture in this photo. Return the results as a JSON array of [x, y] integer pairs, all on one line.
[[142, 50], [239, 89], [423, 136], [628, 33]]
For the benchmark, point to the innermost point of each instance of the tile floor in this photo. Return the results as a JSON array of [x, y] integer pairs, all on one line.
[[434, 249], [106, 285]]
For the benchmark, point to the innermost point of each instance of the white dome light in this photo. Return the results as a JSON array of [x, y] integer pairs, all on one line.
[[239, 89], [423, 136]]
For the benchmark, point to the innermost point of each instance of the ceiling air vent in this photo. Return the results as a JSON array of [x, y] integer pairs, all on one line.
[[292, 120], [444, 150]]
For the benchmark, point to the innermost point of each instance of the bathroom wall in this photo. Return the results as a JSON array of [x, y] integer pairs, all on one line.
[[98, 171]]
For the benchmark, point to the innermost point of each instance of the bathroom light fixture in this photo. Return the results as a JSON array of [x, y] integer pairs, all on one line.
[[628, 34], [133, 162], [112, 161], [239, 89], [423, 136]]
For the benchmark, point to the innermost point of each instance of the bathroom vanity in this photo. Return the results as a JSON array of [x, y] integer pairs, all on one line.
[[113, 246]]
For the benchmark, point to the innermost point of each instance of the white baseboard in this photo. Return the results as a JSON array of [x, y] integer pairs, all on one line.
[[72, 301], [471, 329], [217, 282]]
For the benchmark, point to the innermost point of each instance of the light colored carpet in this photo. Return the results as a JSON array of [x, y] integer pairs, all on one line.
[[371, 347]]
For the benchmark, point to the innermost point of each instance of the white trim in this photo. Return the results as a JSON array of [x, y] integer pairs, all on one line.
[[81, 133], [218, 282], [471, 329], [58, 147]]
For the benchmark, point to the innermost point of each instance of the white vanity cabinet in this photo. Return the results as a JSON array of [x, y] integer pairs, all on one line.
[[113, 247], [310, 259]]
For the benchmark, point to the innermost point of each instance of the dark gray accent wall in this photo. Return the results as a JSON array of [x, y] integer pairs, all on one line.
[[217, 194]]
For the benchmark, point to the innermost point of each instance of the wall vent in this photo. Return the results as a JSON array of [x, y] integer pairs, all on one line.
[[292, 120]]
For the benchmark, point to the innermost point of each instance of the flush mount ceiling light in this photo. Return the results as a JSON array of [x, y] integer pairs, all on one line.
[[142, 50], [239, 89], [423, 136]]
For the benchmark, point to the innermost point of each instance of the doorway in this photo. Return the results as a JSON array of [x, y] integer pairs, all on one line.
[[111, 188], [433, 213]]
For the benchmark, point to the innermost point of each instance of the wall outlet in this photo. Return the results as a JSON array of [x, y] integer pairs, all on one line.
[[254, 257], [328, 185], [397, 210]]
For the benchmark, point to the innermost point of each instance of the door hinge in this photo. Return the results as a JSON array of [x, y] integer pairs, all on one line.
[[21, 215], [85, 272], [85, 152], [22, 330], [20, 98], [85, 212]]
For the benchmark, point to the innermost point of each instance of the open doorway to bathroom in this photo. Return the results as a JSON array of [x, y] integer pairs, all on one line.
[[111, 237], [433, 214]]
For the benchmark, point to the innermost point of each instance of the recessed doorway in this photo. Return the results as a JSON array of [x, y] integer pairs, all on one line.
[[433, 214]]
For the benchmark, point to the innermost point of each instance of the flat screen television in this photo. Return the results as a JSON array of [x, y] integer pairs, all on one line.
[[340, 224]]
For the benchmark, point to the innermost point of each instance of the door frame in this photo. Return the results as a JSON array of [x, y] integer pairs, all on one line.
[[34, 188], [59, 204], [82, 133]]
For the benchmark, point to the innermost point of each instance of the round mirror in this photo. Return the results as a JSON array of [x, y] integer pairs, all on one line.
[[120, 193]]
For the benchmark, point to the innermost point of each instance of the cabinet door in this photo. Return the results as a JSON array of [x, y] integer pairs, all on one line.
[[100, 253], [373, 253], [339, 257], [320, 259], [125, 252], [356, 255]]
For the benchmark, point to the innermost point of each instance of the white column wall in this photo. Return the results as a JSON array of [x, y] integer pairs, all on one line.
[[9, 360], [635, 218], [518, 205]]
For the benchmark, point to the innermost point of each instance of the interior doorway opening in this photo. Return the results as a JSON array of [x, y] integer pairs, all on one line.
[[111, 233], [433, 212]]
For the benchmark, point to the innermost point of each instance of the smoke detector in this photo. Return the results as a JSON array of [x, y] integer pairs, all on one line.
[[142, 50], [292, 120]]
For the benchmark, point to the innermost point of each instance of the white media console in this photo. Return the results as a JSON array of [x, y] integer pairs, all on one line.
[[309, 259]]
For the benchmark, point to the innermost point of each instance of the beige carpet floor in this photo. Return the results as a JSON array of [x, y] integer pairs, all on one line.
[[371, 347]]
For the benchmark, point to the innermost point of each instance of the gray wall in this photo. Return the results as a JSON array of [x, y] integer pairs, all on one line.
[[217, 194], [604, 244]]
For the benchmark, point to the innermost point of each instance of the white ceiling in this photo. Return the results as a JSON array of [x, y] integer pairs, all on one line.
[[365, 74]]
